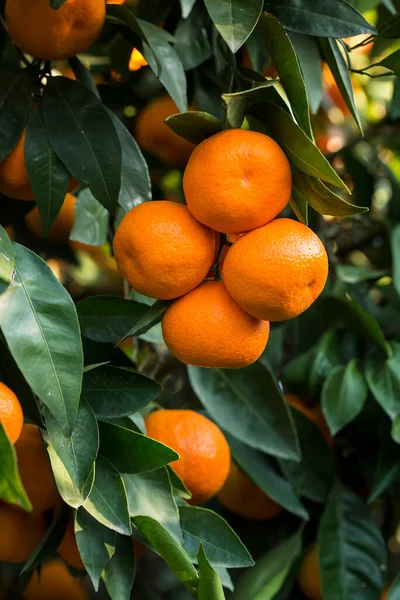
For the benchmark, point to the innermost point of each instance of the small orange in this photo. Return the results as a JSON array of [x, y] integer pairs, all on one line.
[[11, 415], [385, 592], [62, 225], [312, 412], [153, 135], [243, 497], [137, 60], [204, 452], [206, 328], [277, 271], [162, 250], [20, 533], [308, 577], [34, 469], [237, 180], [68, 549], [50, 34], [54, 582]]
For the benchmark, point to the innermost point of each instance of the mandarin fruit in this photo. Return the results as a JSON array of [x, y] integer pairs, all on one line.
[[206, 328], [308, 577], [204, 452], [313, 413], [54, 581], [162, 250], [277, 271], [153, 135], [137, 60], [49, 34], [68, 549], [11, 415], [20, 533], [237, 180], [243, 497], [34, 469], [61, 227]]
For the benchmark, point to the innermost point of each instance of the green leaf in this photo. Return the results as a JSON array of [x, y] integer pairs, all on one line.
[[308, 54], [204, 528], [236, 401], [394, 589], [286, 62], [388, 464], [299, 205], [179, 487], [390, 28], [340, 72], [124, 16], [149, 319], [77, 124], [107, 501], [355, 274], [7, 256], [262, 472], [343, 396], [119, 574], [192, 41], [56, 4], [16, 101], [96, 544], [352, 552], [172, 74], [383, 378], [83, 75], [150, 495], [91, 220], [50, 541], [186, 7], [173, 554], [392, 62], [300, 150], [264, 580], [107, 318], [11, 488], [395, 246], [319, 17], [38, 319], [76, 452], [118, 392], [132, 452], [210, 585], [47, 175], [234, 19], [194, 125], [238, 103]]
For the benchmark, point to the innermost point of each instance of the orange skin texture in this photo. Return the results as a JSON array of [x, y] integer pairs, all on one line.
[[204, 452], [20, 533], [162, 250], [277, 271], [308, 577], [34, 469], [242, 497], [313, 412], [54, 581], [50, 34], [68, 549], [137, 60], [11, 415], [206, 328], [62, 225], [153, 135], [237, 180]]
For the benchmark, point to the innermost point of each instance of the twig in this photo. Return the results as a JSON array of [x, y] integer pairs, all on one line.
[[365, 42]]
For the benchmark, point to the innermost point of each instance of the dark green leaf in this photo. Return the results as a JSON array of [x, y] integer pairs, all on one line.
[[118, 392], [355, 274], [77, 124], [49, 542], [83, 75], [238, 103], [394, 589], [390, 28], [236, 400], [299, 205], [11, 488], [210, 585], [56, 4], [186, 7], [257, 50], [234, 19], [395, 245], [7, 256], [194, 126], [91, 220], [352, 552], [192, 44], [309, 57], [388, 463], [38, 319], [132, 452], [119, 574], [76, 453], [343, 396], [107, 501], [179, 487], [327, 357], [16, 101], [203, 527], [149, 319], [383, 378], [392, 62], [322, 18]]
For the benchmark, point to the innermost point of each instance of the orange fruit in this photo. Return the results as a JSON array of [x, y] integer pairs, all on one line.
[[153, 135], [385, 592], [277, 271], [50, 34], [243, 497], [34, 469], [20, 533], [68, 549], [54, 582], [237, 180], [308, 577], [62, 225], [11, 415], [206, 328], [331, 87], [312, 412], [204, 452], [162, 250], [137, 60]]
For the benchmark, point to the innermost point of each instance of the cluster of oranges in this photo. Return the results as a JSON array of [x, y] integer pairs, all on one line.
[[235, 183]]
